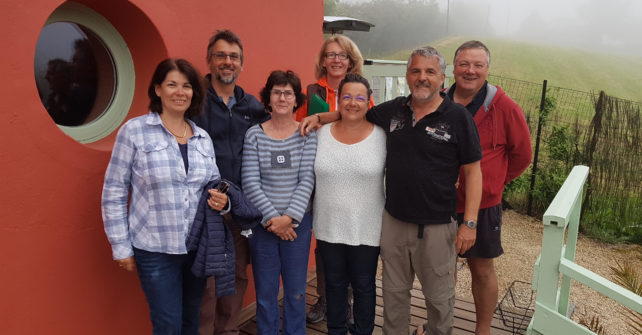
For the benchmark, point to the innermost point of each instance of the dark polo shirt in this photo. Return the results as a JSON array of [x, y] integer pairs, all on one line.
[[478, 99], [422, 164]]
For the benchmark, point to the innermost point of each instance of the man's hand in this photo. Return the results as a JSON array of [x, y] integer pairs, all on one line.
[[127, 263], [282, 227], [466, 236], [465, 239], [309, 123], [314, 122]]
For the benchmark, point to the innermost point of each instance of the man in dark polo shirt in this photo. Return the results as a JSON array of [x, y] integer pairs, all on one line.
[[429, 138], [506, 147]]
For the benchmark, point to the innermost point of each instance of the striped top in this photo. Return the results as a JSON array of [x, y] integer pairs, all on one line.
[[278, 175]]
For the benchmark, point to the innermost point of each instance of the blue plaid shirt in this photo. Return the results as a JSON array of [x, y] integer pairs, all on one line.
[[146, 163]]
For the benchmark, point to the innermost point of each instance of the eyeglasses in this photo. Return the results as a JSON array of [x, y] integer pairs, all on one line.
[[358, 98], [222, 56], [333, 55], [287, 94]]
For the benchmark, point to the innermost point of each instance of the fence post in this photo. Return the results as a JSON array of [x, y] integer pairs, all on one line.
[[540, 121]]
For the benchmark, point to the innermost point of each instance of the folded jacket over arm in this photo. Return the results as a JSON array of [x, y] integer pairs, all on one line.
[[212, 238]]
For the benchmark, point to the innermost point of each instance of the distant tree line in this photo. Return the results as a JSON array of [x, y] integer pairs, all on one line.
[[403, 24]]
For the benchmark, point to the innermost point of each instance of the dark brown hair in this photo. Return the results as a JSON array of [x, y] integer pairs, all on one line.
[[355, 78], [227, 36], [194, 78], [279, 77]]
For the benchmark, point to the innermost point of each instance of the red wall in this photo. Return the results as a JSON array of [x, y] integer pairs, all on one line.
[[56, 272]]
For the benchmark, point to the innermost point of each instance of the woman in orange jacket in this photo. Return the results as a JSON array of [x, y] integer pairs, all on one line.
[[338, 56]]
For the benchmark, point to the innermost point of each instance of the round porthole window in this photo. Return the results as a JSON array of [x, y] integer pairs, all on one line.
[[84, 73]]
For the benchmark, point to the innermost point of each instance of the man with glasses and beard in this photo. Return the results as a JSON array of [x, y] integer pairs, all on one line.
[[229, 113]]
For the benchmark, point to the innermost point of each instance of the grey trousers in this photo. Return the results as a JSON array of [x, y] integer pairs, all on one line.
[[432, 259]]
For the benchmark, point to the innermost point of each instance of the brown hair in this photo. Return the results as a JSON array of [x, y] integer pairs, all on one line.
[[227, 36], [279, 77], [473, 45]]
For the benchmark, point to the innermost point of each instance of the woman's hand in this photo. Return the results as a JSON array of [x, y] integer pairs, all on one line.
[[217, 200], [289, 235], [282, 227], [127, 263]]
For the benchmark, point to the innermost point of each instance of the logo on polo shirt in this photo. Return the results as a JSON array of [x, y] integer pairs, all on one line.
[[396, 124], [439, 132]]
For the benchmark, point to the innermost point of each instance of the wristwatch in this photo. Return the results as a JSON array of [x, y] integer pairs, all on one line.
[[471, 224]]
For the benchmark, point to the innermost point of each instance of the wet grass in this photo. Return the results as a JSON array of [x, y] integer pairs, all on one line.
[[581, 70]]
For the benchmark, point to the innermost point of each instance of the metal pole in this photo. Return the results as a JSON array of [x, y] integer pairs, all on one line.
[[537, 140], [447, 16]]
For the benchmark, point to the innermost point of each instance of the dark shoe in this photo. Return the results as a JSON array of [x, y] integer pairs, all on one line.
[[317, 311]]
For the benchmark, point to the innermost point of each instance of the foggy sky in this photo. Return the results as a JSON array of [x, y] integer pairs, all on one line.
[[599, 25]]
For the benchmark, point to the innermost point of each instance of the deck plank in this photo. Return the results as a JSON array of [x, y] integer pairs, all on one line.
[[464, 312]]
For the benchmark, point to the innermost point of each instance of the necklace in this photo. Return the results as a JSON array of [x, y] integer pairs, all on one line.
[[184, 131]]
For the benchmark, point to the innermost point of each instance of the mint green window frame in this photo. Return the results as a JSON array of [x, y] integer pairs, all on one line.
[[123, 64]]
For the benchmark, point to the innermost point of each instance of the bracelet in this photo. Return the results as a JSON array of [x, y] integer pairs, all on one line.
[[318, 117]]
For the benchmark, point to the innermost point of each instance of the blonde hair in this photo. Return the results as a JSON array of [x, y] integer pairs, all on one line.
[[354, 55]]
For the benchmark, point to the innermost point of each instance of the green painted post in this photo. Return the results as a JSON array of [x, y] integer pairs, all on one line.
[[561, 211], [548, 278], [551, 303], [569, 251]]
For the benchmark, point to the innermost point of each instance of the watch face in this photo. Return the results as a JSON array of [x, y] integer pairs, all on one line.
[[471, 224]]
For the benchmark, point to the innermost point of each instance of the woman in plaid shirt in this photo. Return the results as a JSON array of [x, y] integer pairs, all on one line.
[[161, 162]]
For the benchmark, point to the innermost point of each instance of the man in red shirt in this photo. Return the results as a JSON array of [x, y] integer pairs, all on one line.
[[506, 153]]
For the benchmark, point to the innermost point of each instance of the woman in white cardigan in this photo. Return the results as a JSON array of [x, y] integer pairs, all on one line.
[[348, 207]]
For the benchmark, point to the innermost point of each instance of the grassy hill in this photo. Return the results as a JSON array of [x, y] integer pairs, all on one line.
[[617, 75]]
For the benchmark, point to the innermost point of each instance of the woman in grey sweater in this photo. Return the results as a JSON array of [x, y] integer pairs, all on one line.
[[278, 177]]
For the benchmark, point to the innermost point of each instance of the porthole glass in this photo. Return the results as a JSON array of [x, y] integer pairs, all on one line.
[[74, 72], [84, 73]]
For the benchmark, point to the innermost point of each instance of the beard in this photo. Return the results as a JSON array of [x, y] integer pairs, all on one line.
[[425, 95], [227, 80]]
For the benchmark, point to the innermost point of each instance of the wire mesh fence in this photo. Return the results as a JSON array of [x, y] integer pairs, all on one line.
[[593, 129]]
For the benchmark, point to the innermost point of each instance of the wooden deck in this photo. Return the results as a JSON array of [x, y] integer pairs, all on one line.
[[464, 314]]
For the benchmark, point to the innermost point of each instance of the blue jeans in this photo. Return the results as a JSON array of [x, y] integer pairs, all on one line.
[[273, 258], [173, 293], [349, 265]]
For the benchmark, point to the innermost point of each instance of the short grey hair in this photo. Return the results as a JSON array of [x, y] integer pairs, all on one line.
[[473, 45], [428, 51]]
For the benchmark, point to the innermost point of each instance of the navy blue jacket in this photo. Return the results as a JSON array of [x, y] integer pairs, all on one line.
[[227, 128], [212, 238]]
